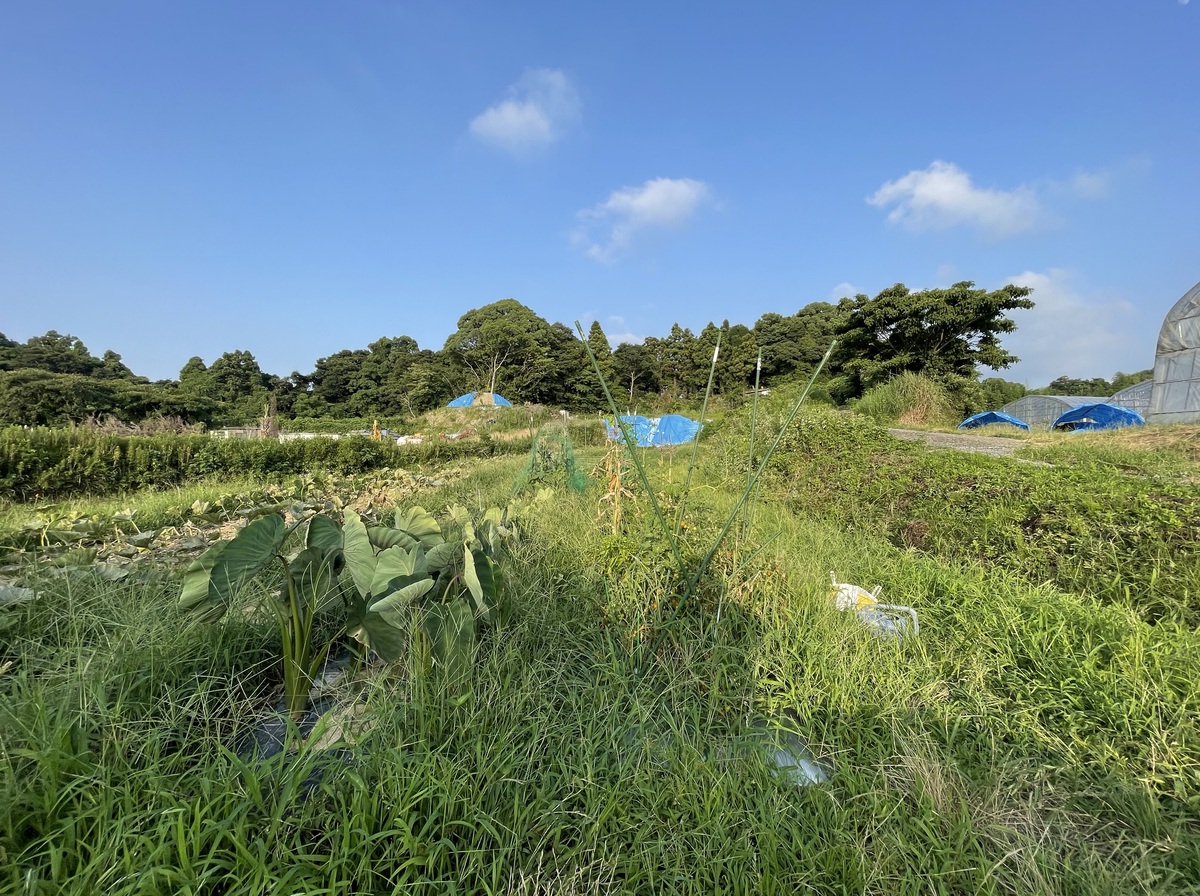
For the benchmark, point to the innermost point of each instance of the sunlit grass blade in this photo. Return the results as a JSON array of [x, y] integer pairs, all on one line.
[[687, 483]]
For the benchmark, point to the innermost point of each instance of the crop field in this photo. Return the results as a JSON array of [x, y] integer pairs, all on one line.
[[557, 666]]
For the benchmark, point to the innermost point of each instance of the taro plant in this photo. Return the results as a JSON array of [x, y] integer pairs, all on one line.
[[393, 583]]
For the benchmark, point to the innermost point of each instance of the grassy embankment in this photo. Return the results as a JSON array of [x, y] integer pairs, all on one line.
[[1039, 736]]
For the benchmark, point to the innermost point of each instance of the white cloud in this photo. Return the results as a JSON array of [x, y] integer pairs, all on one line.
[[1068, 333], [540, 108], [943, 196], [946, 273], [843, 290], [1091, 184], [608, 229], [618, 332]]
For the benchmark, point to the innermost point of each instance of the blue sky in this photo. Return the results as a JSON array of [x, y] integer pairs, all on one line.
[[297, 178]]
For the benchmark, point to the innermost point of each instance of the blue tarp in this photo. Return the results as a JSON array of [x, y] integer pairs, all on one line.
[[660, 432], [1098, 416], [480, 399], [986, 418], [672, 429]]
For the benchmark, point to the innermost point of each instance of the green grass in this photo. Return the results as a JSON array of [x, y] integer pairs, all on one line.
[[155, 508], [910, 399], [1028, 741]]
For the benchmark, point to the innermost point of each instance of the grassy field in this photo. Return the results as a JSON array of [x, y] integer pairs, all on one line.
[[1037, 736]]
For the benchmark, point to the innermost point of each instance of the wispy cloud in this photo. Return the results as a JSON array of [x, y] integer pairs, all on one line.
[[1091, 184], [540, 109], [843, 290], [943, 196], [1069, 333], [608, 229], [618, 332]]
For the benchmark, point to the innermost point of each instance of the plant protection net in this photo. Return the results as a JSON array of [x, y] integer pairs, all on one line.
[[551, 461]]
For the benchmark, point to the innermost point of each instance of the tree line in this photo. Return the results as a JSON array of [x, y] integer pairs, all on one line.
[[505, 347]]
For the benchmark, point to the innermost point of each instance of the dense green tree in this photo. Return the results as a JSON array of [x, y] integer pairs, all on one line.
[[601, 348], [381, 385], [33, 397], [572, 382], [780, 340], [428, 382], [794, 344], [52, 352], [239, 387], [995, 393], [111, 367], [336, 379], [946, 334], [735, 369], [677, 361], [1125, 380], [635, 370], [1065, 385], [502, 347], [194, 378]]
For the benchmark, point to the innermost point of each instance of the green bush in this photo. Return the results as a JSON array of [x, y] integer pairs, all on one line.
[[50, 464]]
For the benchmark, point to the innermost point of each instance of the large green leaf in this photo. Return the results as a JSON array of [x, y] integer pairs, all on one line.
[[462, 516], [383, 538], [246, 555], [420, 524], [490, 582], [492, 529], [470, 577], [196, 598], [394, 607], [360, 556], [376, 632], [397, 563], [451, 632], [324, 533], [314, 571], [440, 556]]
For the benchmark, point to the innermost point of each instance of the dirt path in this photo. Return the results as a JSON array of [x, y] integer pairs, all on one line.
[[993, 445]]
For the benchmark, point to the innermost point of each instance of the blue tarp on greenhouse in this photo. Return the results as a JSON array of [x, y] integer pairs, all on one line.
[[480, 399], [1098, 416], [987, 418], [659, 432]]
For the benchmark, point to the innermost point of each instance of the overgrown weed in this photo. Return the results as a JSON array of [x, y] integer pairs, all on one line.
[[1029, 741]]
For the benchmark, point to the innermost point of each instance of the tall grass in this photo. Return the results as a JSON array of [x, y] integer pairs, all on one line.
[[1027, 742], [910, 399]]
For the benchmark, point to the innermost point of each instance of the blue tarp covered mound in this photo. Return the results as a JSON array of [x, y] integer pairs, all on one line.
[[480, 399], [986, 418], [1098, 416], [671, 429]]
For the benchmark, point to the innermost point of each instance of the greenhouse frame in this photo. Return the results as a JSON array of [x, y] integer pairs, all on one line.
[[1175, 396], [1040, 411]]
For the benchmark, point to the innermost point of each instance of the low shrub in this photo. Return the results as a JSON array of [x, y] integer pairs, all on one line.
[[50, 464]]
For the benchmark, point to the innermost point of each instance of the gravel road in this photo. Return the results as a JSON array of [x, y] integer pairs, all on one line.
[[993, 445]]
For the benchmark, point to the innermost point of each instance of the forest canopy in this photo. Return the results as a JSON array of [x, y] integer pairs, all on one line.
[[947, 334]]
